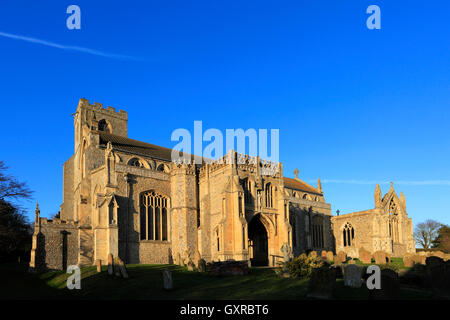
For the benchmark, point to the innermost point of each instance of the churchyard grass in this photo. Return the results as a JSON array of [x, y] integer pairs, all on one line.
[[146, 282]]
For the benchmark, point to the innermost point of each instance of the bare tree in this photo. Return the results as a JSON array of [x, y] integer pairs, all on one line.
[[426, 232], [10, 187]]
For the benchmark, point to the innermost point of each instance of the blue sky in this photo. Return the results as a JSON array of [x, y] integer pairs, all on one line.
[[353, 106]]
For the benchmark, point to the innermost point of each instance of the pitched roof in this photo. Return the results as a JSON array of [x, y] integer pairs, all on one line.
[[299, 185], [135, 146]]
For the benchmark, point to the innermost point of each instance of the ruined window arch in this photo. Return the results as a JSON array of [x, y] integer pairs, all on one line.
[[104, 125], [317, 232], [154, 216], [135, 162], [162, 168], [269, 195], [348, 234]]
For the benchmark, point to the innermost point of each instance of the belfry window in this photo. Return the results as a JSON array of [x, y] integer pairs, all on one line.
[[348, 234], [104, 126], [269, 195], [153, 216]]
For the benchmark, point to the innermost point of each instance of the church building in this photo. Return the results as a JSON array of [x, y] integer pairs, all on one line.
[[127, 198]]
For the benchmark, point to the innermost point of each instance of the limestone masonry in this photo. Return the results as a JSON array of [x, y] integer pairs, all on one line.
[[127, 198]]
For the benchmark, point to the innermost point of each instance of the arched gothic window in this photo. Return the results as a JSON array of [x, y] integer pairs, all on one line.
[[348, 234], [317, 231], [153, 216], [135, 162], [247, 186], [269, 195]]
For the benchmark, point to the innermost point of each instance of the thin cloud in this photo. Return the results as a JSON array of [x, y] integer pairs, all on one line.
[[396, 182], [65, 47]]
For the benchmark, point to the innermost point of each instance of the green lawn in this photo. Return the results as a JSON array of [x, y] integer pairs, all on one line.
[[145, 282]]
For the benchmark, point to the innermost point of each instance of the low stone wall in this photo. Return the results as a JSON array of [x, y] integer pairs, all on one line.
[[57, 245], [229, 268], [154, 252]]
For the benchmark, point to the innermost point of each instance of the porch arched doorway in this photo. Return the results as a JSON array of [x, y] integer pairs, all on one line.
[[258, 242]]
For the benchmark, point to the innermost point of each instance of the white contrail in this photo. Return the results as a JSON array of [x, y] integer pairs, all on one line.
[[65, 47], [399, 182]]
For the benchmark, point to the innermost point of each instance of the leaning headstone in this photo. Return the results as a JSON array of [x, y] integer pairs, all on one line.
[[352, 276], [167, 280], [390, 286], [110, 264], [201, 265], [120, 265], [98, 263], [321, 283], [365, 256], [380, 257], [117, 266]]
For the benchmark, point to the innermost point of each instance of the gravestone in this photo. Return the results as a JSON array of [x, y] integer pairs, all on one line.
[[167, 280], [110, 264], [117, 266], [352, 276], [329, 256], [419, 259], [120, 265], [322, 282], [390, 286], [323, 254], [408, 261], [286, 251], [98, 263], [351, 261], [365, 256], [380, 257], [340, 258], [201, 265], [190, 265]]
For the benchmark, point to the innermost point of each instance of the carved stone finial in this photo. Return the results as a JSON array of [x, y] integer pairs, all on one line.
[[319, 186], [296, 173], [403, 200], [377, 196]]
